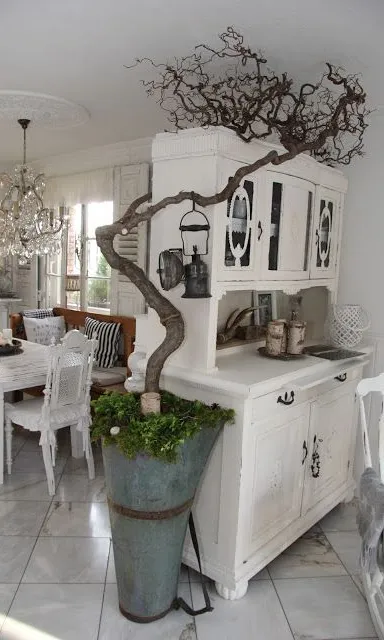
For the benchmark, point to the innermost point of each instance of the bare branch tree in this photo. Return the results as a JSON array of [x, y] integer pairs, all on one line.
[[232, 87]]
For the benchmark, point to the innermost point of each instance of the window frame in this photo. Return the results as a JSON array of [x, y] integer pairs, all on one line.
[[84, 275]]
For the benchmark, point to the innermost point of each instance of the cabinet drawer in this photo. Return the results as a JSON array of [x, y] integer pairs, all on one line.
[[301, 390], [276, 402]]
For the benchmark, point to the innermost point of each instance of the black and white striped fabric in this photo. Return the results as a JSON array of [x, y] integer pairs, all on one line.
[[108, 337], [37, 313]]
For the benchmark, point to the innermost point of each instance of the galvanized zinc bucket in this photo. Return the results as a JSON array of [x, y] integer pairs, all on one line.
[[149, 505]]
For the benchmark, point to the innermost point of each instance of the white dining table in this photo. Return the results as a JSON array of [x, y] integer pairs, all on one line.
[[24, 370]]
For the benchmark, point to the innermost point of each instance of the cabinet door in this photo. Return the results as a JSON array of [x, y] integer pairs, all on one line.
[[275, 474], [331, 444], [325, 239], [239, 253], [286, 244]]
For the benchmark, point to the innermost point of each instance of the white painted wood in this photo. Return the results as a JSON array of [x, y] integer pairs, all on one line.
[[66, 401], [8, 438], [326, 245], [76, 443], [256, 496], [225, 263], [27, 369], [273, 461], [6, 305], [130, 182], [232, 594], [203, 160], [332, 427], [294, 232], [26, 278], [253, 500]]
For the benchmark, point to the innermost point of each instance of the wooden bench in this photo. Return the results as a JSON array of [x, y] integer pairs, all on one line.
[[75, 320]]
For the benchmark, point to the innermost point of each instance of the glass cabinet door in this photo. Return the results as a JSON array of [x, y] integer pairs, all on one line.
[[286, 252], [324, 251], [238, 250]]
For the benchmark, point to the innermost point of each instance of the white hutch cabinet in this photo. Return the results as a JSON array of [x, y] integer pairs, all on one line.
[[288, 459]]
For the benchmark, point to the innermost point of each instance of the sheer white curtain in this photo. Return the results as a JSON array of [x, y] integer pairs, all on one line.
[[78, 276], [69, 190]]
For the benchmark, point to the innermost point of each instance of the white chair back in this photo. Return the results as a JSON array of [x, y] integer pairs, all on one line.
[[366, 386], [70, 370]]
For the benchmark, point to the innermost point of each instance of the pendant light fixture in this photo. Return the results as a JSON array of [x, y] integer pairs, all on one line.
[[27, 226]]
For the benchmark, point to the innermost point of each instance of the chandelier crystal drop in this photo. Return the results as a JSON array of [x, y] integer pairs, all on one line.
[[27, 227]]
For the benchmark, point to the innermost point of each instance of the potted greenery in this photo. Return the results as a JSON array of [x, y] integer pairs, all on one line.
[[156, 442], [152, 465]]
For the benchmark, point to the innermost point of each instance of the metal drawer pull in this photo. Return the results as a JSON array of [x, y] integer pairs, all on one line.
[[260, 228], [342, 377], [287, 400], [305, 452]]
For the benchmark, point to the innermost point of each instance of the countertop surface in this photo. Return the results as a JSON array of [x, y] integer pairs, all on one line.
[[245, 372]]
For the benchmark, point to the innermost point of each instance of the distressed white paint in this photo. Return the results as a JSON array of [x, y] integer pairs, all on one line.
[[202, 160], [259, 492], [130, 182]]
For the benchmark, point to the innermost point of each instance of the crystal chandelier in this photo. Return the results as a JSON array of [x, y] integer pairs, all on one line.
[[27, 227]]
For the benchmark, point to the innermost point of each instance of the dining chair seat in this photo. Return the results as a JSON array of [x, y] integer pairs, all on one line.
[[66, 402], [28, 414]]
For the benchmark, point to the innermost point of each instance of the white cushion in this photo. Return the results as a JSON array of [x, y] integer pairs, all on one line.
[[106, 377], [42, 330], [28, 414]]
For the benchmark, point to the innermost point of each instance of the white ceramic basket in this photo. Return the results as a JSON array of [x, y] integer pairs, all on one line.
[[347, 323]]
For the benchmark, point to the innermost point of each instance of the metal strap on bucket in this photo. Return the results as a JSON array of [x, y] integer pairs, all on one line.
[[179, 603]]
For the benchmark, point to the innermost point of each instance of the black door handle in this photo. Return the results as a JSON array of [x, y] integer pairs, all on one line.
[[287, 400], [315, 466], [260, 228], [305, 452]]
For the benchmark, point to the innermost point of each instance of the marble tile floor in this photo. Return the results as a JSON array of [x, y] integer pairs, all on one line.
[[57, 577]]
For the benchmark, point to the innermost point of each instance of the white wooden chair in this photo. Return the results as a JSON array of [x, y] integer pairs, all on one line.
[[371, 510], [66, 402]]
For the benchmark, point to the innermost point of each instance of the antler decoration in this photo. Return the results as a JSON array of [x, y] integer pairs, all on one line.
[[233, 321]]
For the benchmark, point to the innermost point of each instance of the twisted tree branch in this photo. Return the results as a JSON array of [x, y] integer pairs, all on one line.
[[326, 119]]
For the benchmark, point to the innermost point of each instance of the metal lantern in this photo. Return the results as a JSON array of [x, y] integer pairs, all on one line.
[[194, 228], [171, 270]]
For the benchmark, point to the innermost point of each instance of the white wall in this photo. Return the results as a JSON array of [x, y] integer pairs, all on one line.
[[362, 255]]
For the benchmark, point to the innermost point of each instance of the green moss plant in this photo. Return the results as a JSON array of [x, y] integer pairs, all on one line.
[[157, 435]]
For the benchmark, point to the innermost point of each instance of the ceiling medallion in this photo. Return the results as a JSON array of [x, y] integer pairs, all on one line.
[[44, 110]]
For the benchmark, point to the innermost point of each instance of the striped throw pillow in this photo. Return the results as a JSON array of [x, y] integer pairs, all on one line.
[[108, 337]]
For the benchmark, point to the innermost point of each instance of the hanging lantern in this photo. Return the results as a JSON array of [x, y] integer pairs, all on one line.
[[194, 228]]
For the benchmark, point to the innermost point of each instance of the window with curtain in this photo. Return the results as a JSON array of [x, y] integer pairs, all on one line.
[[80, 277]]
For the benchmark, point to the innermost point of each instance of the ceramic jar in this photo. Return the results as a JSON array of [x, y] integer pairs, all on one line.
[[296, 337], [276, 337]]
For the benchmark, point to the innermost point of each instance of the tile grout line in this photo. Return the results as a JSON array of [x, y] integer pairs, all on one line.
[[350, 575], [282, 608], [104, 589], [49, 504], [190, 595], [26, 564]]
